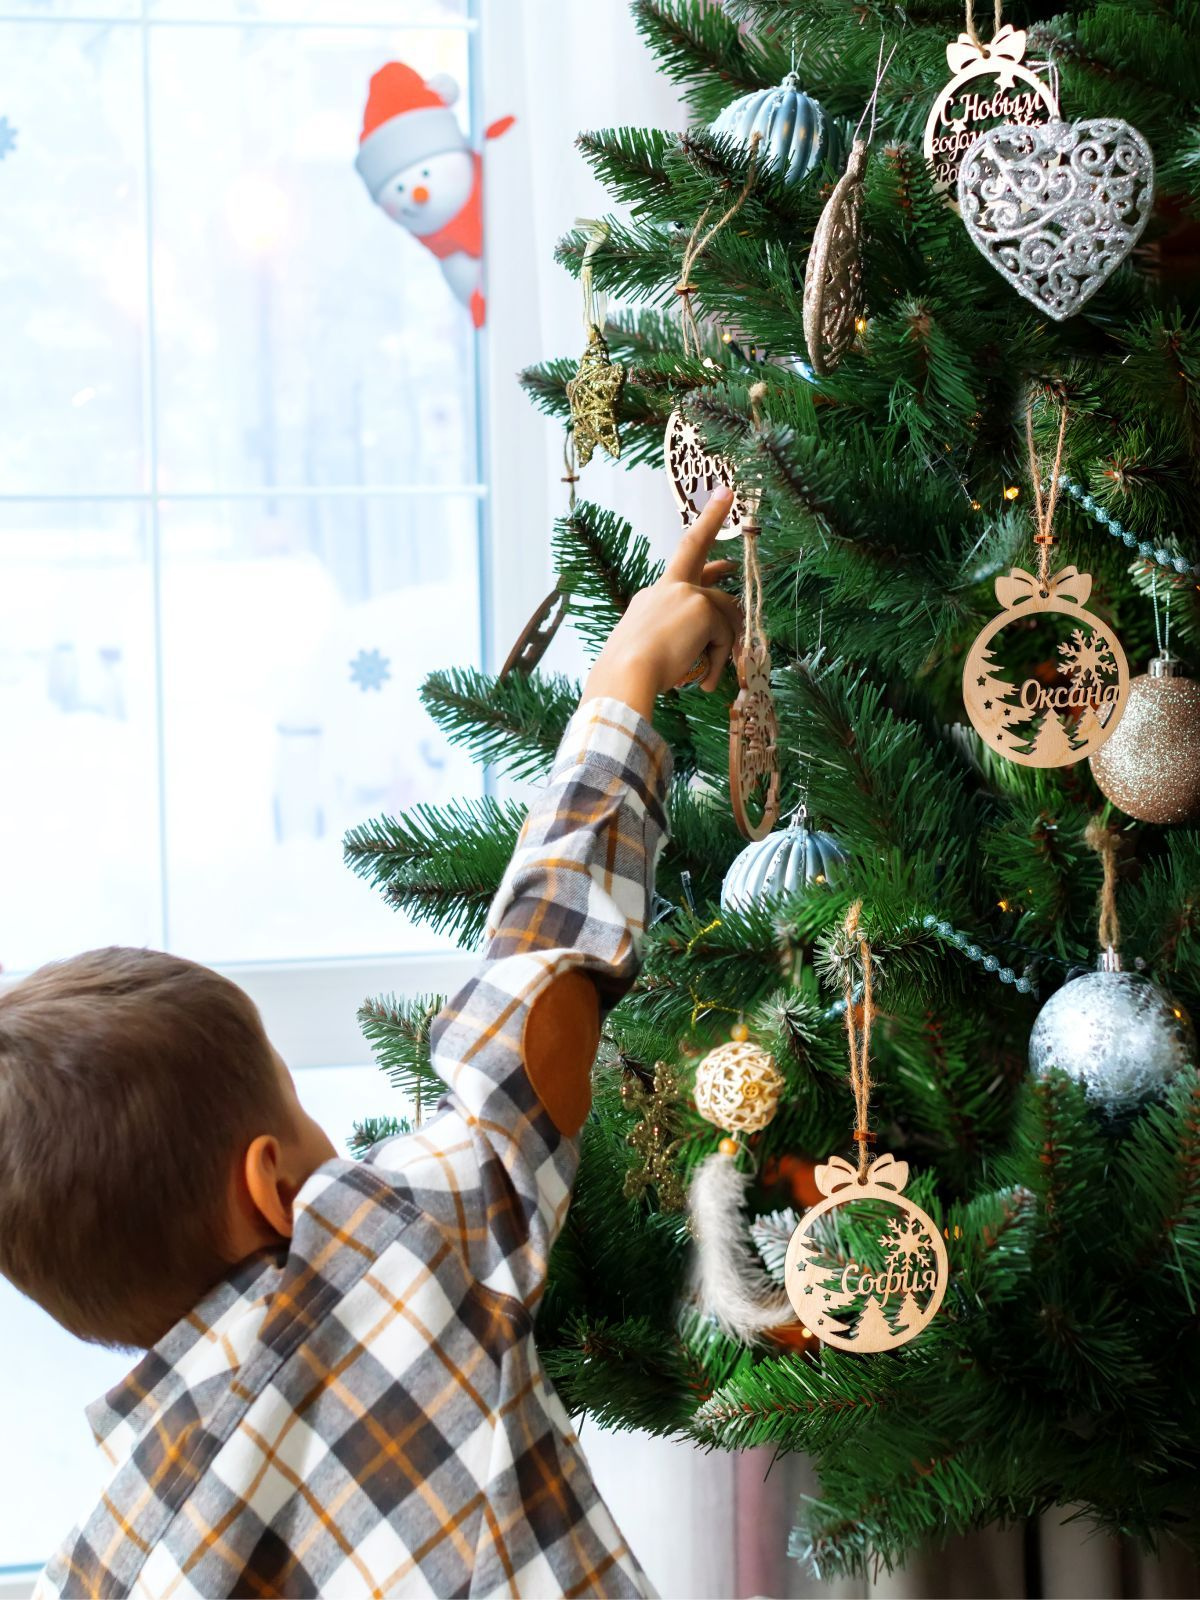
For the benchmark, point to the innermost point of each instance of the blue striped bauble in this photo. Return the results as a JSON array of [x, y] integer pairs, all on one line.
[[787, 860], [797, 135]]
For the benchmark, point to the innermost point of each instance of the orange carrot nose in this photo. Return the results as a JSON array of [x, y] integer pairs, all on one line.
[[420, 194]]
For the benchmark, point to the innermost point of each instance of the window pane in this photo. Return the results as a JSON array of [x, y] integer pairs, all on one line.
[[72, 260], [303, 337], [296, 633], [78, 816]]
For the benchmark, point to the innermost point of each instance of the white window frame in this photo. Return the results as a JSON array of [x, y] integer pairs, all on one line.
[[309, 1007]]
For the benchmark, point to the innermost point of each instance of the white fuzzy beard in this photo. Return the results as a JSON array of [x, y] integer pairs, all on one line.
[[728, 1282]]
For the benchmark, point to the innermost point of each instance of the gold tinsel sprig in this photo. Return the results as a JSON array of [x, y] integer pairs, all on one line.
[[655, 1135]]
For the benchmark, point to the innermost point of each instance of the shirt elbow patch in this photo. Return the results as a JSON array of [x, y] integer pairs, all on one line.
[[558, 1046]]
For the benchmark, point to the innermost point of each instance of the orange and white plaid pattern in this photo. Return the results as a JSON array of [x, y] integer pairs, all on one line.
[[368, 1414]]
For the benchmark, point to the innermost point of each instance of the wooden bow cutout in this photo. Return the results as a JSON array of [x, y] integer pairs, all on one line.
[[885, 1172], [1018, 587], [1008, 45]]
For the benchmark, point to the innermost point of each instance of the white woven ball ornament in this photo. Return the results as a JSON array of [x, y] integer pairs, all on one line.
[[738, 1086]]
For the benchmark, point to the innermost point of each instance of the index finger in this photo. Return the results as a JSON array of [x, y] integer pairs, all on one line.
[[687, 564]]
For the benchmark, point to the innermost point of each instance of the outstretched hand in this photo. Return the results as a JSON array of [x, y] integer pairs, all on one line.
[[669, 626]]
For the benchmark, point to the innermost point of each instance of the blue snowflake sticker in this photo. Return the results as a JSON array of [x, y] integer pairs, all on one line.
[[8, 138], [370, 670]]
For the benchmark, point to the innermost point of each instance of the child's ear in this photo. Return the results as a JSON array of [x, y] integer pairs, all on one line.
[[269, 1190]]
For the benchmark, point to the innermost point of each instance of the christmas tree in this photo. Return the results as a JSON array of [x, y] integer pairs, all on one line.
[[1063, 1367]]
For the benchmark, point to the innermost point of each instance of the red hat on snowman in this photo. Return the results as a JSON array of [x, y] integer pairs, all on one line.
[[407, 119]]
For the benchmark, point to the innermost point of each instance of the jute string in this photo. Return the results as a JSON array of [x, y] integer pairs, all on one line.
[[859, 1035], [997, 15], [1104, 841], [754, 635], [1045, 500], [699, 243]]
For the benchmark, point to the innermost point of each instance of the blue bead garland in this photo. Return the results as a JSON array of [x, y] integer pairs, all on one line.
[[1159, 554], [990, 963]]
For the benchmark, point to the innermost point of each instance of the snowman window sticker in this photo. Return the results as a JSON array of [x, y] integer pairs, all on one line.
[[419, 169]]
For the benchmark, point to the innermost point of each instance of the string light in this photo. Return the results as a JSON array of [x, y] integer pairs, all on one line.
[[861, 324], [1011, 492]]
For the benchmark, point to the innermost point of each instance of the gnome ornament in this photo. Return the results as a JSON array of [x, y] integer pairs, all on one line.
[[417, 165]]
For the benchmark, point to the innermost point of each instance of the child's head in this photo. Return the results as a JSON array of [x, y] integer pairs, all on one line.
[[150, 1137]]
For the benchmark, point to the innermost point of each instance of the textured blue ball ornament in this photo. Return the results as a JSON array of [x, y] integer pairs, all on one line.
[[797, 136], [789, 859]]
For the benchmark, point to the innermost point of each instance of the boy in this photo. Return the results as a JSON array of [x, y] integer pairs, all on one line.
[[341, 1394]]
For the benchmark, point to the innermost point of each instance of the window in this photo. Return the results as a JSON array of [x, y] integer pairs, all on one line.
[[241, 485], [242, 509]]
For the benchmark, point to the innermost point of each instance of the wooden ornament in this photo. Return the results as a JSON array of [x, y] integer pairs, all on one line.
[[866, 1269], [738, 1087], [833, 302], [534, 638], [753, 741], [695, 471], [969, 105], [1047, 724]]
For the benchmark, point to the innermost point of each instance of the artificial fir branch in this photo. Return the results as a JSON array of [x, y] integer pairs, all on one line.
[[443, 865], [398, 1032], [514, 723]]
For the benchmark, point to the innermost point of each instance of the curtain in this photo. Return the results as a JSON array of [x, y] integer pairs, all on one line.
[[702, 1524]]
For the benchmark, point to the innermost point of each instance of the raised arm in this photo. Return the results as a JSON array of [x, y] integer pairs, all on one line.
[[564, 933]]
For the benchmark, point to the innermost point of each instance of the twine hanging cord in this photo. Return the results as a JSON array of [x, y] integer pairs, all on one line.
[[997, 15], [1045, 500], [1106, 842], [858, 1029], [699, 243]]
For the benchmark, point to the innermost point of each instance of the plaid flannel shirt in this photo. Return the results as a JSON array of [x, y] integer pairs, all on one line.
[[368, 1414]]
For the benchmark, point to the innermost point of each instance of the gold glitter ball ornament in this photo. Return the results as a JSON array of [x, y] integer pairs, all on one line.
[[1150, 767], [593, 394], [738, 1087]]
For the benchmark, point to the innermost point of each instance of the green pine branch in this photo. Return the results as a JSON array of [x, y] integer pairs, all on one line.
[[440, 865], [513, 723]]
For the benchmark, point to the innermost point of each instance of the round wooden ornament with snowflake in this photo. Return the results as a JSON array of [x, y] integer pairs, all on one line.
[[866, 1269], [1069, 706]]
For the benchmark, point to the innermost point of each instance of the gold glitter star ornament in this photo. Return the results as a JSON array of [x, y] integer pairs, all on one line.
[[593, 394]]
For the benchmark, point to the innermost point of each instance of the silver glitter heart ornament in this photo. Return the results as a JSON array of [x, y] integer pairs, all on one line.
[[1057, 207]]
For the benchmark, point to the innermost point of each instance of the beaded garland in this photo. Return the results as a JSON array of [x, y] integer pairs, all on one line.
[[1151, 552]]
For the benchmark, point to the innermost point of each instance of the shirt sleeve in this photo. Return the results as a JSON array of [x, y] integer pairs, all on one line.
[[574, 898]]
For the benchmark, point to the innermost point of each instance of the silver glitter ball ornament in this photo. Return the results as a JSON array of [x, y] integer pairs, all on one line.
[[787, 860], [1119, 1035], [1057, 207], [796, 135], [1150, 767]]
